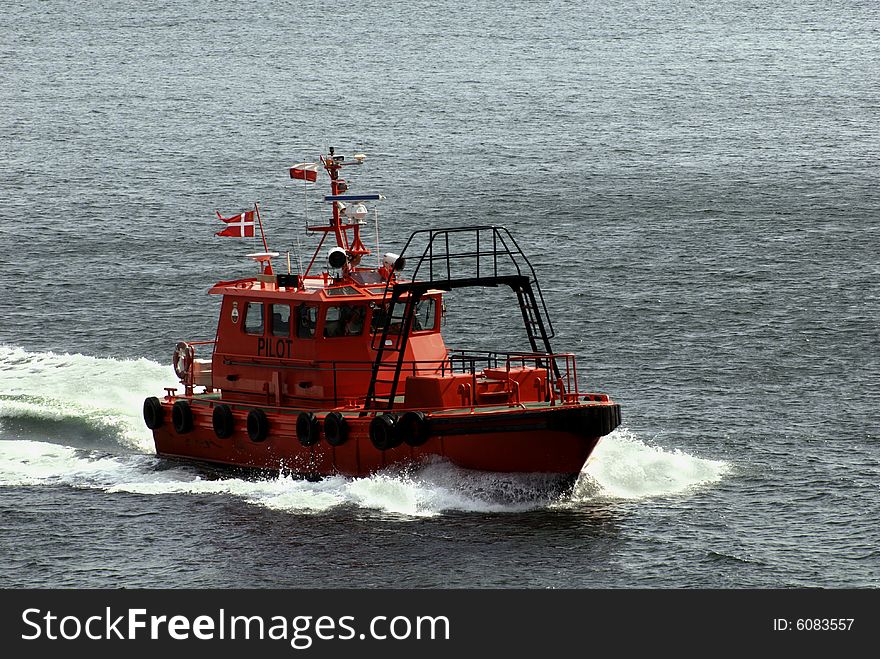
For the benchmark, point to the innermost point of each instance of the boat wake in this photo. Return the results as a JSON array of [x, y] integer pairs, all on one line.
[[74, 421], [77, 399]]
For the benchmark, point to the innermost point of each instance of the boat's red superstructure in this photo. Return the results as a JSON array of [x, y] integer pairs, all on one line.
[[345, 371]]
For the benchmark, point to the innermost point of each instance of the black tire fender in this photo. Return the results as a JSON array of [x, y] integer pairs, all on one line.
[[413, 428], [224, 424], [257, 425], [182, 417], [382, 431], [335, 429], [154, 414], [308, 430]]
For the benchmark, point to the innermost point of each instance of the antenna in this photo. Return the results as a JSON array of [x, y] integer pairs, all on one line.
[[376, 218]]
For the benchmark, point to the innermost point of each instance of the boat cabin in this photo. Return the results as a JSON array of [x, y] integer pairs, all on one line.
[[311, 346]]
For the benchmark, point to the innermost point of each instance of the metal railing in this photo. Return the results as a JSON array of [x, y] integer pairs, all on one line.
[[453, 258], [469, 362], [474, 252]]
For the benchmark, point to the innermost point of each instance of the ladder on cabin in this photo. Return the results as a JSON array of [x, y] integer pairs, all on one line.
[[476, 265]]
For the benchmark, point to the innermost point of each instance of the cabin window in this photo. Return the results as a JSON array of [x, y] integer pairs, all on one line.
[[426, 315], [424, 318], [253, 318], [344, 290], [379, 317], [306, 321], [281, 320], [377, 320], [345, 320]]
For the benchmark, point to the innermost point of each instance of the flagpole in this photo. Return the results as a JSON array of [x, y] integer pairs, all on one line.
[[268, 269], [254, 237], [262, 233]]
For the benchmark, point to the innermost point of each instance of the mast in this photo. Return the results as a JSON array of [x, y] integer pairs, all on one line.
[[340, 224]]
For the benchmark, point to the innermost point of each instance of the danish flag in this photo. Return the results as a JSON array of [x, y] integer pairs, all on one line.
[[307, 171], [240, 226]]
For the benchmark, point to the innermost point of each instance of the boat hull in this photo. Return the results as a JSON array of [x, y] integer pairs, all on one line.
[[552, 440]]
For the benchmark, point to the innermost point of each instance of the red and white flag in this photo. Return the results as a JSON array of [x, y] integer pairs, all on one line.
[[240, 226], [307, 171]]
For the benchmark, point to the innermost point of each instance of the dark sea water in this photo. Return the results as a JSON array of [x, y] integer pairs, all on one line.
[[697, 185]]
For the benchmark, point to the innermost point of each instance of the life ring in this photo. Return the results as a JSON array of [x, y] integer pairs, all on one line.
[[257, 425], [335, 429], [382, 431], [413, 428], [224, 425], [308, 431], [183, 359], [154, 415], [182, 417]]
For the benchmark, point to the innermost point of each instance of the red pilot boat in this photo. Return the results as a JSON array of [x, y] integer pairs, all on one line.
[[345, 371]]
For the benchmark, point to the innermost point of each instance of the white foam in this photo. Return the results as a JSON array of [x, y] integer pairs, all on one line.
[[390, 492], [106, 394], [281, 493], [40, 463], [32, 463], [427, 492], [624, 467], [434, 489]]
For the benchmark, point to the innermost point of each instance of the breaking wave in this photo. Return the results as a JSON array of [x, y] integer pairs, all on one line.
[[49, 403], [624, 467], [77, 398]]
